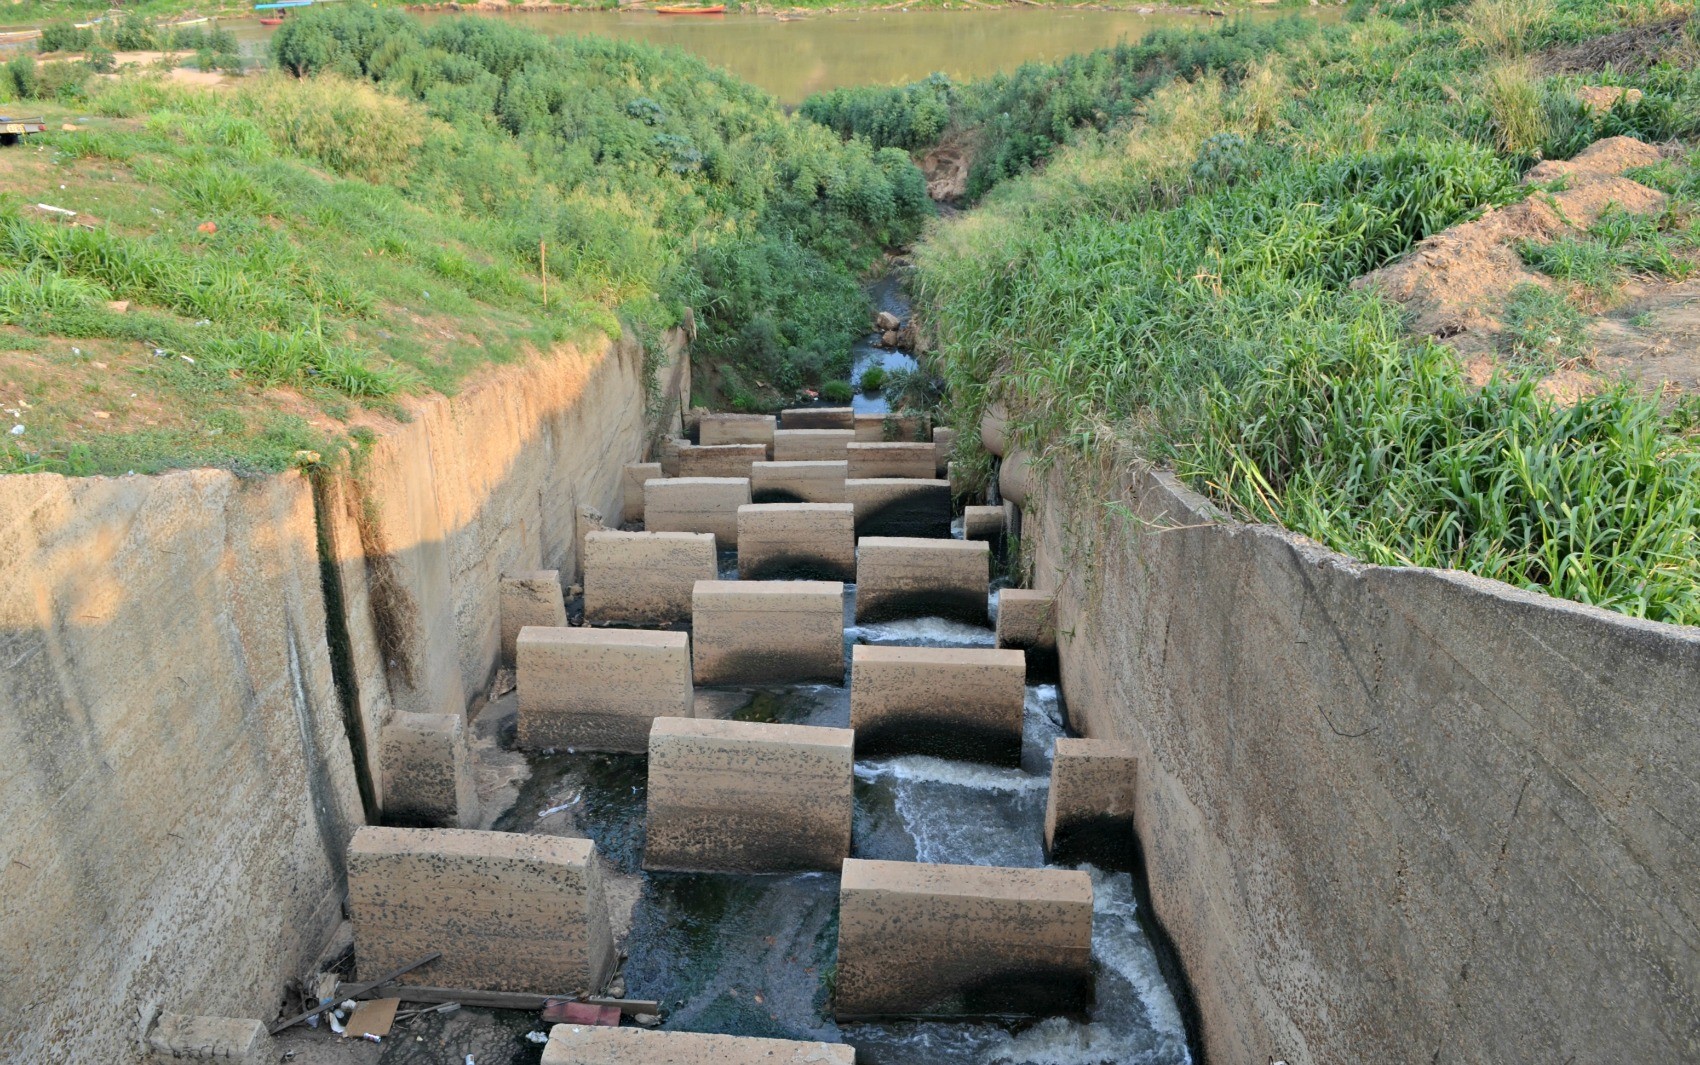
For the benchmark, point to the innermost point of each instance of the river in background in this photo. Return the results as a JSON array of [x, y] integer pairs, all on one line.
[[810, 53]]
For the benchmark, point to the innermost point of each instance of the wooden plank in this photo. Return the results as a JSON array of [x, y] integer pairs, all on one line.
[[495, 1000], [355, 991]]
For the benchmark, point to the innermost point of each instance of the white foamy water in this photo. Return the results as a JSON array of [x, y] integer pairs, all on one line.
[[921, 769], [924, 632]]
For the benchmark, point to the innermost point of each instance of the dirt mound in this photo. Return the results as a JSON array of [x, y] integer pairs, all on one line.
[[1456, 283], [1626, 51], [946, 170]]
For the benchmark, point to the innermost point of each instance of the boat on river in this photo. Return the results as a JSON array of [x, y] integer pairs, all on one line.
[[717, 9]]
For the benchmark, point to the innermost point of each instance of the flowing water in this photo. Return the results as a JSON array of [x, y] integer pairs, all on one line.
[[792, 59]]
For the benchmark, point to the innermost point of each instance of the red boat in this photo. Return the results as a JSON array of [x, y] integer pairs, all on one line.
[[717, 9], [271, 22]]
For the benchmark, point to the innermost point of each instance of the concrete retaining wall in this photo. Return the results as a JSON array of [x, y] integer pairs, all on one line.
[[767, 632], [947, 702], [1396, 815], [915, 939], [797, 541], [746, 797], [508, 911], [644, 578], [600, 689]]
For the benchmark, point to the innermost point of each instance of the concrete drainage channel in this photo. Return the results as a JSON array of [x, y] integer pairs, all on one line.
[[810, 793]]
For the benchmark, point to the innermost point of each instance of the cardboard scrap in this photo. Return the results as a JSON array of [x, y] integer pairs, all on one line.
[[375, 1016]]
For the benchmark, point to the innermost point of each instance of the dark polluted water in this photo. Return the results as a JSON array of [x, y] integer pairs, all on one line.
[[755, 955]]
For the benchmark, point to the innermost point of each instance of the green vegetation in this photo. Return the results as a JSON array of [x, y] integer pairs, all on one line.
[[872, 378], [837, 392], [353, 241], [1184, 293]]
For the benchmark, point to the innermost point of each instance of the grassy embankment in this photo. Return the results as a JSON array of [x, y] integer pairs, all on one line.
[[299, 255], [1180, 287]]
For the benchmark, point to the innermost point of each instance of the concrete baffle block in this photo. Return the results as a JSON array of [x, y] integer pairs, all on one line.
[[912, 576], [644, 578], [182, 1037], [948, 702], [818, 418], [696, 504], [508, 911], [797, 541], [720, 460], [669, 456], [798, 482], [957, 939], [913, 461], [944, 444], [748, 797], [1027, 621], [883, 428], [1089, 814], [532, 598], [737, 429], [589, 521], [632, 476], [779, 632], [584, 1044], [600, 689], [812, 445], [982, 523], [427, 772], [899, 506]]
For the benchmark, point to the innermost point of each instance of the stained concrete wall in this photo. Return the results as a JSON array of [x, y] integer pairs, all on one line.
[[178, 784], [1393, 815]]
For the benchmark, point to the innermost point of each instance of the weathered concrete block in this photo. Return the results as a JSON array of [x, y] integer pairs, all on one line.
[[632, 477], [948, 702], [798, 482], [1089, 813], [812, 445], [180, 1037], [696, 504], [1015, 476], [891, 460], [644, 578], [600, 689], [427, 769], [720, 460], [818, 418], [749, 632], [1027, 621], [885, 428], [944, 443], [899, 506], [670, 455], [508, 911], [939, 939], [581, 1044], [911, 576], [797, 541], [532, 598], [589, 521], [744, 797], [982, 523], [737, 429]]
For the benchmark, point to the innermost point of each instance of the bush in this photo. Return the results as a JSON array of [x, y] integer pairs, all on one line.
[[64, 37], [837, 392], [24, 77], [131, 33], [872, 378]]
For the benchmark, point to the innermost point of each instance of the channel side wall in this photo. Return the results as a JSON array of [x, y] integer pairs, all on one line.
[[1395, 815]]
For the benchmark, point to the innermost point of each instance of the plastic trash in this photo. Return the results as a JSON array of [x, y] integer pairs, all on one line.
[[537, 1037]]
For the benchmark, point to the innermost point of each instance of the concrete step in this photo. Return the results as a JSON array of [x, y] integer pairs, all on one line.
[[600, 689], [1089, 812], [577, 1044], [797, 541], [899, 506], [768, 632], [798, 482], [947, 702], [812, 445], [818, 418], [696, 504], [737, 429], [719, 460], [907, 576], [644, 578], [914, 461]]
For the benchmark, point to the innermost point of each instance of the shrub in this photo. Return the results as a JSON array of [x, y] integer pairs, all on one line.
[[64, 37], [837, 392], [24, 76], [872, 378]]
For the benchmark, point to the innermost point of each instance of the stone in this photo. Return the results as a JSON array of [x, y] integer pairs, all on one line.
[[737, 429], [428, 778], [600, 689], [916, 938], [868, 461], [632, 476], [509, 911], [888, 339], [944, 444], [890, 428], [812, 445], [798, 482], [579, 1044], [911, 576], [797, 541], [644, 578], [886, 322], [1027, 621], [899, 506], [817, 418], [947, 702], [589, 520], [532, 598], [181, 1037], [696, 504], [720, 460], [748, 797], [778, 632], [1089, 812], [982, 523]]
